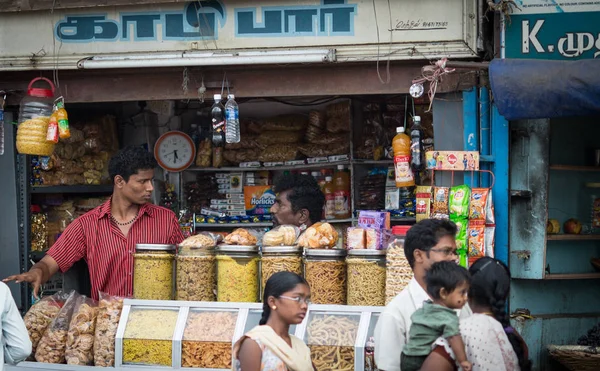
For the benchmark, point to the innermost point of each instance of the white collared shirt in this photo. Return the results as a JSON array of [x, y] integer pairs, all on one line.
[[391, 332], [16, 345]]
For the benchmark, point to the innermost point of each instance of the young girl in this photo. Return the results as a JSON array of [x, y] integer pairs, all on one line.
[[269, 346], [448, 285]]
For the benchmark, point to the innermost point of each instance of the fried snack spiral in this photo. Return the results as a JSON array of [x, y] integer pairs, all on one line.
[[327, 281], [399, 273], [366, 282], [273, 264], [331, 339]]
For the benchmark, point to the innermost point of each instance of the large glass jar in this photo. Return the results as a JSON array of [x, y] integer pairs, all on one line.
[[331, 338], [195, 279], [34, 115], [153, 270], [279, 259], [325, 271], [398, 270], [237, 273], [366, 277]]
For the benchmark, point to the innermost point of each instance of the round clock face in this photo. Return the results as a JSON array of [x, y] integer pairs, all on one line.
[[416, 90], [175, 151]]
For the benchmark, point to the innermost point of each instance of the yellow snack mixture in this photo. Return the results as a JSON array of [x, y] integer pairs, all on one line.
[[237, 282], [153, 275], [327, 281], [331, 340], [31, 137], [207, 340], [366, 282], [148, 337], [195, 278], [273, 264]]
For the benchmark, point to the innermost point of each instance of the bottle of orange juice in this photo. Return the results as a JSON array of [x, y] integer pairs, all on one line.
[[401, 147], [63, 121]]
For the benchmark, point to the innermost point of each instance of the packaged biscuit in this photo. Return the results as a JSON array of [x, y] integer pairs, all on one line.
[[459, 201], [258, 199], [423, 199]]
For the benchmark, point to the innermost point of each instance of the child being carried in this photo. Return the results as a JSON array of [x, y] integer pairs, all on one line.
[[448, 285]]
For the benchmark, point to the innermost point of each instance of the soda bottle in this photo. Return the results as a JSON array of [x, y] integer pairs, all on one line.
[[232, 120], [329, 198], [401, 147], [417, 156], [63, 121], [341, 186], [217, 115], [52, 133]]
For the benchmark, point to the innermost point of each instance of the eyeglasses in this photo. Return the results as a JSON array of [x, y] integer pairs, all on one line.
[[446, 252], [298, 300]]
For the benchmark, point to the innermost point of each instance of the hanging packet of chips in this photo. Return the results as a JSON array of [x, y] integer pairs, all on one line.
[[459, 201], [490, 233], [476, 238], [440, 208], [480, 206], [461, 239], [423, 200]]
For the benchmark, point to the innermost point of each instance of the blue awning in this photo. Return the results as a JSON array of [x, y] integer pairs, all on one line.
[[533, 89]]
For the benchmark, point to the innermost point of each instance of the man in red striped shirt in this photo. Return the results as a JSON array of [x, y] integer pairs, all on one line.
[[106, 236]]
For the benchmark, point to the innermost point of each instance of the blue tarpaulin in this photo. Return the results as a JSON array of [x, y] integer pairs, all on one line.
[[533, 89]]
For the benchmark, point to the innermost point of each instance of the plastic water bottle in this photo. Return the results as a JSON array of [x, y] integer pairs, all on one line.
[[232, 123], [1, 131]]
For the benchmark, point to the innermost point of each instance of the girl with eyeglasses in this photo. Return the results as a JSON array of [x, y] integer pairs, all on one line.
[[269, 346]]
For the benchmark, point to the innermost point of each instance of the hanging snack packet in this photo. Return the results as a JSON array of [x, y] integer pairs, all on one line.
[[461, 239], [423, 198], [490, 233], [489, 212], [440, 203], [479, 203], [476, 238], [459, 201]]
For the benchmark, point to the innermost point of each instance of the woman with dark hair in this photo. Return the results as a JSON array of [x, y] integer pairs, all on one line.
[[269, 346], [490, 341]]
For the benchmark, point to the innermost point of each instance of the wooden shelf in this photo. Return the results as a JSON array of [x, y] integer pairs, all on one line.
[[574, 168], [572, 276], [573, 237], [270, 168], [73, 189]]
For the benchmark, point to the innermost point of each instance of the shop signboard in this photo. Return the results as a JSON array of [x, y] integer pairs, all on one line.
[[557, 30], [358, 29]]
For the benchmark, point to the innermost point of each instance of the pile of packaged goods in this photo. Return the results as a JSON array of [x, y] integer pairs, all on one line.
[[80, 159], [471, 209], [73, 329], [399, 202], [199, 192]]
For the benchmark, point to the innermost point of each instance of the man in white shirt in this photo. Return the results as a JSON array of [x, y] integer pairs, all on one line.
[[16, 345], [427, 242]]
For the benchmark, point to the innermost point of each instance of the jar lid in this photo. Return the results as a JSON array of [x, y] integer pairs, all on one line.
[[155, 247], [193, 251], [237, 248], [366, 252], [281, 249], [400, 230], [326, 252]]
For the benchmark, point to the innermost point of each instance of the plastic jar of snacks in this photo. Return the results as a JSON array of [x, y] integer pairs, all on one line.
[[277, 259], [366, 277], [237, 273], [325, 272], [153, 270], [398, 270], [35, 110], [195, 278]]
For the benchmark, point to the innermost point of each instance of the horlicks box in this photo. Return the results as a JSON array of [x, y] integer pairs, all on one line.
[[258, 199], [374, 219]]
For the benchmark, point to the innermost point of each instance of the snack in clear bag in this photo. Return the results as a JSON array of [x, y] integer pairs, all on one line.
[[279, 152], [107, 322], [80, 338], [51, 348], [319, 150], [203, 239], [40, 316], [284, 122], [280, 137], [242, 237], [319, 236], [338, 124], [340, 109], [356, 238], [283, 235], [328, 138]]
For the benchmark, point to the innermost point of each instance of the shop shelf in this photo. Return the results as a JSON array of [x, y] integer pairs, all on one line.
[[233, 225], [373, 162], [572, 276], [270, 168], [337, 221], [403, 220], [573, 237], [574, 168], [73, 189]]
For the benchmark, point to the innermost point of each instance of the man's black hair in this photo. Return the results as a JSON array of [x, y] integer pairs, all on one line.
[[445, 275], [305, 193], [426, 234], [128, 161]]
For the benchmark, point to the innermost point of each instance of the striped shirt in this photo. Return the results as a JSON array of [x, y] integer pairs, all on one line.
[[95, 238]]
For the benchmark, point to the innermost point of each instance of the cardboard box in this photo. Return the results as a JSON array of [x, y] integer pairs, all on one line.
[[258, 199], [239, 201], [218, 202], [235, 196], [452, 160], [392, 198], [237, 213]]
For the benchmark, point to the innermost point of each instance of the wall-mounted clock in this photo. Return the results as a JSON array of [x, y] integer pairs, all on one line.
[[175, 151]]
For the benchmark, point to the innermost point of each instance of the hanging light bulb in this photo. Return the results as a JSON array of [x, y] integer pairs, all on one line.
[[416, 90]]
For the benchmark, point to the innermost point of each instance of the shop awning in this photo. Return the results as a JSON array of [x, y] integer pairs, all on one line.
[[533, 89]]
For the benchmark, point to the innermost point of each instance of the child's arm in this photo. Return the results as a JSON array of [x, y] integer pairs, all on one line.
[[458, 347]]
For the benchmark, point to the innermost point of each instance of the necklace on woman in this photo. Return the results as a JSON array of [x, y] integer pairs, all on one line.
[[126, 223]]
